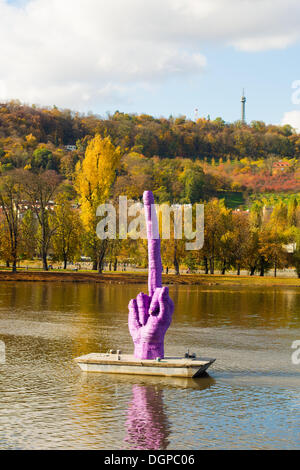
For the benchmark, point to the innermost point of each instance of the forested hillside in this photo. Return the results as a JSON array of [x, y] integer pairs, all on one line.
[[180, 160], [173, 137]]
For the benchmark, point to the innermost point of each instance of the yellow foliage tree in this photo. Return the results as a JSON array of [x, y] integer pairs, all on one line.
[[93, 182]]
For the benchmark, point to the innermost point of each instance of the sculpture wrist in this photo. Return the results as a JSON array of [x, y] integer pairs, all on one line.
[[148, 350]]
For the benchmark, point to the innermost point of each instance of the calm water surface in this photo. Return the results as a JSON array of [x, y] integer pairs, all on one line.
[[250, 400]]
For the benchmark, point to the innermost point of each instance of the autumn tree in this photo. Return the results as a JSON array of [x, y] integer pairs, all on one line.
[[215, 215], [95, 176], [66, 240], [10, 201], [40, 190], [225, 244], [173, 253], [272, 250], [29, 234], [251, 257], [296, 254], [241, 237], [5, 246]]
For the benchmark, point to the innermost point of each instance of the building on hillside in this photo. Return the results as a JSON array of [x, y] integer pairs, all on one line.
[[281, 165], [290, 247], [70, 148], [240, 211]]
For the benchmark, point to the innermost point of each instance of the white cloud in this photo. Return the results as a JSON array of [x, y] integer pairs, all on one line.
[[79, 53], [263, 43], [292, 118]]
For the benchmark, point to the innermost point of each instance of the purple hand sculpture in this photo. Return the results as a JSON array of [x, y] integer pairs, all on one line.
[[150, 315]]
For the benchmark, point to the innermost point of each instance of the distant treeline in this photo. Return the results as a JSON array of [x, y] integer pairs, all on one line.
[[165, 138]]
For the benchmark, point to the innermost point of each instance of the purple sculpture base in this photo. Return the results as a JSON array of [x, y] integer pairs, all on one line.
[[128, 364]]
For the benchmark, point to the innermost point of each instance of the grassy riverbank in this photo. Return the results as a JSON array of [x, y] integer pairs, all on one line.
[[141, 278]]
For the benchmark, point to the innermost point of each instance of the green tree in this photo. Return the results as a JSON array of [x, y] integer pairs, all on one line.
[[66, 240], [194, 184], [43, 159]]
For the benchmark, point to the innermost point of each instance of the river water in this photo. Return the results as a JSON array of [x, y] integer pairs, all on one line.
[[250, 400]]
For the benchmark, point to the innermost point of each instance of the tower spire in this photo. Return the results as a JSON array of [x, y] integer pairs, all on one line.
[[243, 101]]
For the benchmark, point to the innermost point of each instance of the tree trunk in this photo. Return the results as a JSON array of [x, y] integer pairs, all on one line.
[[205, 265], [14, 266], [176, 265], [252, 270], [101, 257], [14, 251], [65, 262], [116, 264], [100, 265], [45, 264], [224, 267], [7, 264], [262, 270], [212, 265], [238, 270], [275, 269]]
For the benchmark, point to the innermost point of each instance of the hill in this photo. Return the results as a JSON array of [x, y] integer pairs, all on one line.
[[180, 159]]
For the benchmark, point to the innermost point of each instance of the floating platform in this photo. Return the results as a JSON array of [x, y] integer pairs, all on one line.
[[192, 367]]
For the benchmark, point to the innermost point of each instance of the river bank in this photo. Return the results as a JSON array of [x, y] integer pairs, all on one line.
[[141, 278]]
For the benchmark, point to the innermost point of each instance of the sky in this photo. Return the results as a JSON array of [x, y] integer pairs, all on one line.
[[160, 57]]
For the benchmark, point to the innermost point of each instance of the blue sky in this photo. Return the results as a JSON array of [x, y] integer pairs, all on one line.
[[158, 57], [267, 77]]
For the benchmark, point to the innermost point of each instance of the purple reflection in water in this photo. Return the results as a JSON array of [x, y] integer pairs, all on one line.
[[147, 425]]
